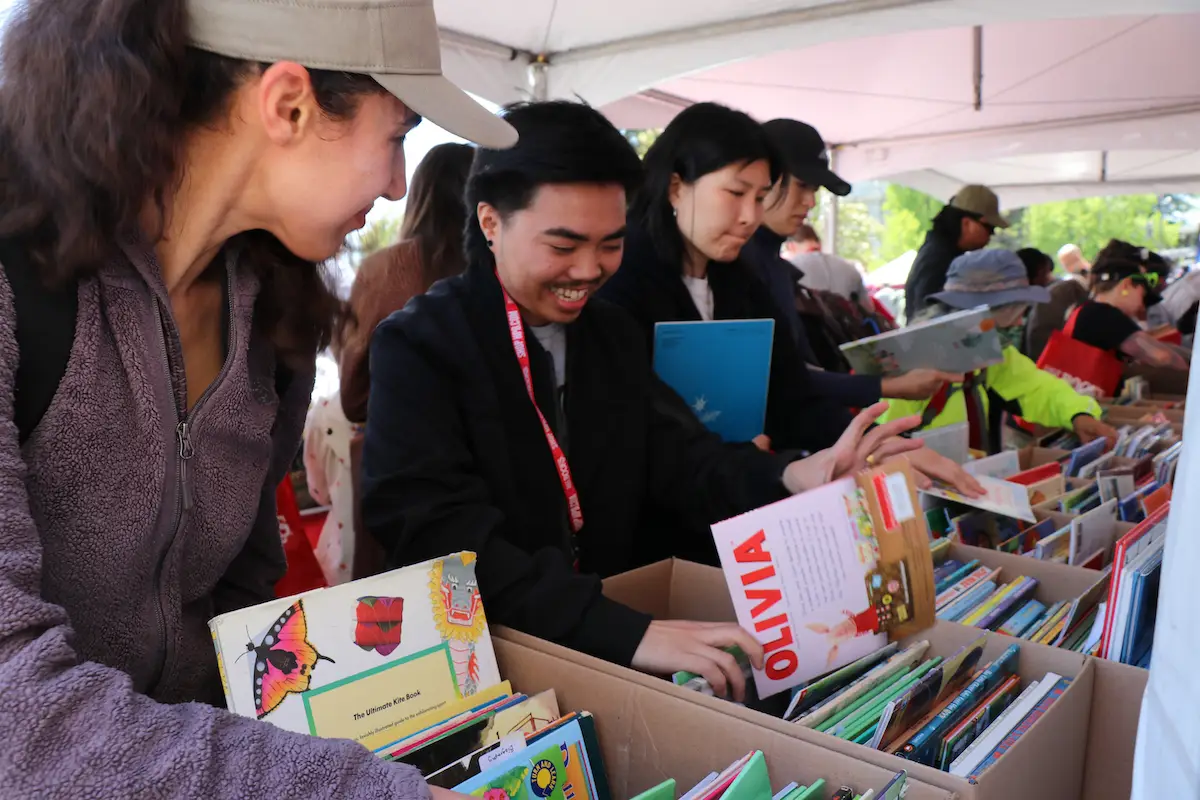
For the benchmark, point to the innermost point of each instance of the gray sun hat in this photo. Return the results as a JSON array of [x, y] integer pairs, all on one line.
[[989, 278], [396, 42]]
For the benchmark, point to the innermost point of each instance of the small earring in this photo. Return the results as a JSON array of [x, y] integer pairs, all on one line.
[[490, 242], [1124, 291], [675, 213]]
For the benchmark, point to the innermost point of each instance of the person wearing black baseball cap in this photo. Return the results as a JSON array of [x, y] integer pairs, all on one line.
[[805, 161], [1122, 290]]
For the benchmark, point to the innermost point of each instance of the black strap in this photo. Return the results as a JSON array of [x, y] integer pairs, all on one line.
[[45, 320]]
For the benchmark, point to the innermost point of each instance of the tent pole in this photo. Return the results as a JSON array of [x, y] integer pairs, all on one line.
[[831, 211], [978, 48]]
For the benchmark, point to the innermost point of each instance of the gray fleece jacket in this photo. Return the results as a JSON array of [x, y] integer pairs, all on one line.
[[125, 525]]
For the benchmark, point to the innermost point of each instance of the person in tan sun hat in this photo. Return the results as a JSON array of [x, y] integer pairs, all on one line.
[[966, 223], [173, 173]]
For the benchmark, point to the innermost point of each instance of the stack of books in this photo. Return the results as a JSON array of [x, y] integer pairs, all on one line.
[[403, 664], [747, 779]]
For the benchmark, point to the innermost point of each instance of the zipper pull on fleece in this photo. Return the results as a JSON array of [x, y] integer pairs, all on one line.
[[186, 451]]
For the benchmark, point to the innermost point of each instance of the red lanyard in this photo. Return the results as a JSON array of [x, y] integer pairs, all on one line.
[[517, 330]]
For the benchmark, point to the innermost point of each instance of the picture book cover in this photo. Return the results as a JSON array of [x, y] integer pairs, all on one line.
[[721, 369], [961, 342], [371, 660], [555, 767], [824, 576]]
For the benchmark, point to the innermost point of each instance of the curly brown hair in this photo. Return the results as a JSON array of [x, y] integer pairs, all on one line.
[[96, 100]]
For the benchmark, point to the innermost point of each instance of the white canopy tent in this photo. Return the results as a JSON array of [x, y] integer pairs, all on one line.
[[894, 85]]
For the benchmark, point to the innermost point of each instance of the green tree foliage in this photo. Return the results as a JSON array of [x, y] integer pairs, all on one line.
[[1089, 222], [1092, 222], [907, 215], [858, 232], [642, 139], [378, 234]]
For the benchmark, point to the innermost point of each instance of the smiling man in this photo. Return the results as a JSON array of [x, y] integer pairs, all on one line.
[[515, 415]]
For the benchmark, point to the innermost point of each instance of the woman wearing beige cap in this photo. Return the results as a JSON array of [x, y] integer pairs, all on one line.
[[170, 173]]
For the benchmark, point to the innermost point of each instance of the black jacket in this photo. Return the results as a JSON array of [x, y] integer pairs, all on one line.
[[762, 253], [928, 274], [455, 459], [798, 417]]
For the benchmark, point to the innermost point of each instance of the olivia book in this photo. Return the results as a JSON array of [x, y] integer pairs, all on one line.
[[823, 578]]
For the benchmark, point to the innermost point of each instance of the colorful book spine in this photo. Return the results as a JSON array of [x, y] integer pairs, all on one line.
[[985, 607], [956, 590], [1009, 604], [922, 747], [957, 575], [1022, 727], [1026, 616], [968, 602], [945, 569], [1058, 612], [975, 723]]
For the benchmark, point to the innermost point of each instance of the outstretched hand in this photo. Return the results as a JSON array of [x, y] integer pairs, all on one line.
[[918, 384], [856, 449], [673, 645]]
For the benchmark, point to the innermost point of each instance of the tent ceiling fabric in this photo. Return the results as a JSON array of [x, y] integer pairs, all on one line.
[[890, 83]]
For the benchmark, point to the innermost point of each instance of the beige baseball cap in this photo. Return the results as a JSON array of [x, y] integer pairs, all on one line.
[[394, 41], [982, 201]]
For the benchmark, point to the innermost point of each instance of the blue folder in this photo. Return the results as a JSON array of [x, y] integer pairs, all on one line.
[[721, 369]]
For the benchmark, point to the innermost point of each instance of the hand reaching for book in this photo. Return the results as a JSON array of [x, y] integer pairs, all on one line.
[[928, 464], [857, 449], [673, 645], [918, 384]]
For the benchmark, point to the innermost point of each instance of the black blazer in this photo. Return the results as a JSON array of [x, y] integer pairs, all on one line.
[[455, 459], [798, 417]]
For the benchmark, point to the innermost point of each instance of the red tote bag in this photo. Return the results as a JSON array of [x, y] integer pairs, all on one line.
[[1090, 370], [303, 569]]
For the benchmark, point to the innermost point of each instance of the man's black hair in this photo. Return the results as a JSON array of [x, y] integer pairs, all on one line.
[[1035, 261], [560, 142], [702, 139]]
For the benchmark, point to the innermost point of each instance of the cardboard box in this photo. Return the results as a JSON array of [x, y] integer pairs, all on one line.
[[1047, 762], [1116, 706], [648, 736], [1030, 457]]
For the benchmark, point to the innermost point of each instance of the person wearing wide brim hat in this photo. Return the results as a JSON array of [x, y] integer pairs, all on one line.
[[998, 279], [965, 224]]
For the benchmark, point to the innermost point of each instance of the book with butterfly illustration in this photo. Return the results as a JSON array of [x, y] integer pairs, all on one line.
[[374, 660]]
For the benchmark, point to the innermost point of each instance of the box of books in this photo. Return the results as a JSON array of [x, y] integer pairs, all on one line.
[[659, 746], [1006, 718], [374, 660], [1116, 706]]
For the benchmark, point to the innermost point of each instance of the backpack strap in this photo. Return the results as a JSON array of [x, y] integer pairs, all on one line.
[[45, 320]]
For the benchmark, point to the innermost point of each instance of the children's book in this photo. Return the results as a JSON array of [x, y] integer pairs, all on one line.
[[975, 723], [721, 369], [556, 766], [923, 747], [374, 660], [1001, 465], [1000, 497], [965, 341], [933, 688], [823, 577]]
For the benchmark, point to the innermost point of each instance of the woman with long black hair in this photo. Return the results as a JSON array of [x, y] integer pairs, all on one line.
[[707, 179]]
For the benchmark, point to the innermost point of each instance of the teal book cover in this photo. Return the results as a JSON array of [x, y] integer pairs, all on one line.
[[721, 369]]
